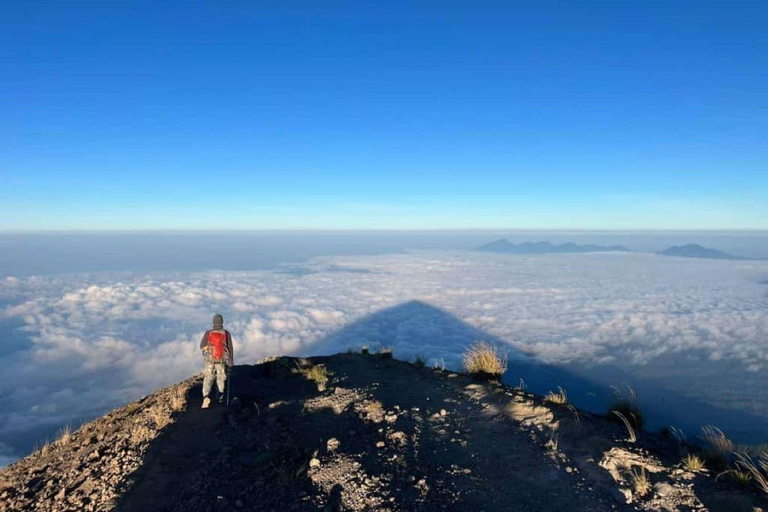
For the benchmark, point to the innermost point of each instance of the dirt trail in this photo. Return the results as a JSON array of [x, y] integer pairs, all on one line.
[[404, 440]]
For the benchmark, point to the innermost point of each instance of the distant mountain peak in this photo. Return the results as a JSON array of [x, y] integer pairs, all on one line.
[[504, 246], [697, 251]]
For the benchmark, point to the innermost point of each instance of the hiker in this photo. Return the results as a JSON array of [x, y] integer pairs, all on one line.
[[219, 358]]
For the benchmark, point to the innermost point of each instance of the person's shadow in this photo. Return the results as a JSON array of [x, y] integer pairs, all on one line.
[[416, 328]]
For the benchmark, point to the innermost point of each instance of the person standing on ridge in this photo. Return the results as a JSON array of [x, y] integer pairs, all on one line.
[[219, 358]]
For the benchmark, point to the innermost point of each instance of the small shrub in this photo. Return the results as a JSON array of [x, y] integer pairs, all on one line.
[[718, 448], [693, 463], [364, 350], [484, 361], [419, 362], [625, 402], [641, 482], [559, 397], [386, 352]]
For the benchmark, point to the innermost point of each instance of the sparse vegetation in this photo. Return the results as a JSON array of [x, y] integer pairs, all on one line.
[[625, 402], [64, 436], [740, 476], [693, 463], [718, 448], [438, 363], [559, 397], [632, 435], [757, 469], [419, 362], [641, 482], [364, 350], [317, 373], [552, 444], [386, 352], [178, 399], [43, 448], [484, 361], [676, 433], [132, 408]]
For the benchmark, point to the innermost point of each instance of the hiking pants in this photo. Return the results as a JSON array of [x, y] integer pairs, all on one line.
[[217, 370]]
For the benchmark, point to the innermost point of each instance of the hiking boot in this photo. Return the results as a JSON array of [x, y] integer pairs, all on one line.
[[206, 402]]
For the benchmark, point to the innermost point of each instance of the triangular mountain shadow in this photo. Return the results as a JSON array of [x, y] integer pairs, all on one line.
[[417, 328]]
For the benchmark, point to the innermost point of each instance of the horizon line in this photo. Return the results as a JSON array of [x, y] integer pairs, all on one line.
[[92, 231]]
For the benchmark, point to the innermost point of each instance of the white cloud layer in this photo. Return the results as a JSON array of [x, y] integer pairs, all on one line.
[[94, 341]]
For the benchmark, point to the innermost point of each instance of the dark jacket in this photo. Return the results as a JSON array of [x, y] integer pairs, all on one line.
[[229, 353]]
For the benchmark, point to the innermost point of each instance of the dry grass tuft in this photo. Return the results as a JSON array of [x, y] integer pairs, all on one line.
[[630, 431], [738, 475], [364, 350], [641, 482], [484, 361], [419, 362], [386, 352], [43, 448], [757, 469], [718, 448], [677, 434], [178, 399], [693, 463], [64, 436], [559, 397], [552, 444], [438, 364], [625, 402], [318, 374]]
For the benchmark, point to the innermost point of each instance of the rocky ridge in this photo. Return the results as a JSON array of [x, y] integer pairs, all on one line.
[[378, 434]]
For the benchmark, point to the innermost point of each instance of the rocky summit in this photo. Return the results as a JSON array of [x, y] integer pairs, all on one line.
[[364, 432]]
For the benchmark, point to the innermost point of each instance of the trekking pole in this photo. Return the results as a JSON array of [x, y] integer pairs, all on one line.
[[229, 384]]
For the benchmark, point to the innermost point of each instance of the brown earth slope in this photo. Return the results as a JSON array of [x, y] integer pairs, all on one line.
[[382, 435]]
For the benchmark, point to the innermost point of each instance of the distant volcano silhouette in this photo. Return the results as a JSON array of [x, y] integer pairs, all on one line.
[[504, 246]]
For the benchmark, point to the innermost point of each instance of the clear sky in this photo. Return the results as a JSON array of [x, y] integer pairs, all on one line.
[[128, 114]]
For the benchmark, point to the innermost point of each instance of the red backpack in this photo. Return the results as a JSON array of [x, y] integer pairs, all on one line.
[[218, 343]]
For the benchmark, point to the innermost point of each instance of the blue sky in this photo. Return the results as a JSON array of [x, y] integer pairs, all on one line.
[[411, 115]]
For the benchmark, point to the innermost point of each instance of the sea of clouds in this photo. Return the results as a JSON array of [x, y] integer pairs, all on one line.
[[80, 344]]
